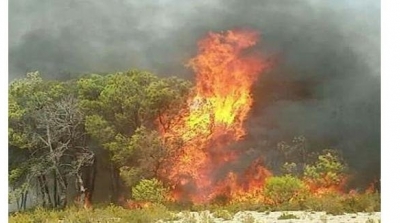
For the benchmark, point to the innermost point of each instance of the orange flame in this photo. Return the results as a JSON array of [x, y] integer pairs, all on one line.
[[328, 185], [225, 72]]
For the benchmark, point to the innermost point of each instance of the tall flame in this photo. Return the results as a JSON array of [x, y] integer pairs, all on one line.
[[225, 72]]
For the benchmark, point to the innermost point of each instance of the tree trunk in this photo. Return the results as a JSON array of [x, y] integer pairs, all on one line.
[[25, 197], [62, 190], [55, 192], [42, 191], [114, 185], [80, 190], [47, 191], [18, 206], [90, 180]]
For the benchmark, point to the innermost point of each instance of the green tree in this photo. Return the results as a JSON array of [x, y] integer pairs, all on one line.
[[46, 126], [123, 112]]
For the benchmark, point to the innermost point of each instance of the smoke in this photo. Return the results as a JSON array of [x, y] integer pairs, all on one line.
[[325, 87]]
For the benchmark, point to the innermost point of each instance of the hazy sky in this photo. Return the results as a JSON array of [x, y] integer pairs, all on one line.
[[56, 37]]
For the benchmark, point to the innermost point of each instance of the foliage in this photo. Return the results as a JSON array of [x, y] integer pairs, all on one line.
[[108, 214], [189, 217], [328, 170], [148, 153], [121, 113], [150, 190], [331, 203], [45, 134], [368, 202], [336, 203], [205, 217], [294, 155], [283, 188], [287, 216], [51, 121], [224, 214]]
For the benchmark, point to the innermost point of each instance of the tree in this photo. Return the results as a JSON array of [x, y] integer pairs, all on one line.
[[46, 123], [293, 156], [146, 151], [51, 124], [123, 112], [26, 97]]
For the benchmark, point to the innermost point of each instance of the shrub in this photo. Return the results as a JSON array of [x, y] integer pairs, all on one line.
[[363, 202], [283, 189], [287, 216], [150, 190], [108, 214], [332, 203], [224, 214], [327, 171], [205, 217], [189, 217], [248, 218]]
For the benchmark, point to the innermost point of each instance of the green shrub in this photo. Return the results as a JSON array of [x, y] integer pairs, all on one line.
[[363, 203], [332, 203], [109, 214], [283, 189], [327, 171], [287, 216], [149, 190]]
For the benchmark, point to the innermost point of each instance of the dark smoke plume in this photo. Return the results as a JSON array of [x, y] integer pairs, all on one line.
[[325, 87]]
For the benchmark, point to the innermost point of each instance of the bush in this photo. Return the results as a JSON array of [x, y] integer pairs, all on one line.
[[363, 203], [224, 214], [109, 214], [287, 216], [332, 203], [327, 171], [283, 189], [189, 217], [150, 190], [205, 217]]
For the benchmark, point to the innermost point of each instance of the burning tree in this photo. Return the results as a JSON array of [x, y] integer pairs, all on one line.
[[214, 116]]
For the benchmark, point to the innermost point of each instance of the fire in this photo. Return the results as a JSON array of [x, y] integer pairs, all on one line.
[[225, 73], [329, 186]]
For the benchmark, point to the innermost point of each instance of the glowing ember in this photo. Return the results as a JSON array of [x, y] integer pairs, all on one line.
[[214, 119]]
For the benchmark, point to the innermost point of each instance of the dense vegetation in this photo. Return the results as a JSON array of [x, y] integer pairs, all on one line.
[[60, 130]]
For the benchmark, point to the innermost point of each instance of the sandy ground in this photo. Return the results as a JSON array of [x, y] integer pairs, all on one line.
[[263, 217]]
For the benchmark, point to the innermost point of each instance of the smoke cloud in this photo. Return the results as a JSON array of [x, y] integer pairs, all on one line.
[[326, 85]]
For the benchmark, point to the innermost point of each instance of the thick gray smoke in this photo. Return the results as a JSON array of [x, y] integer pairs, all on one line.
[[325, 87]]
